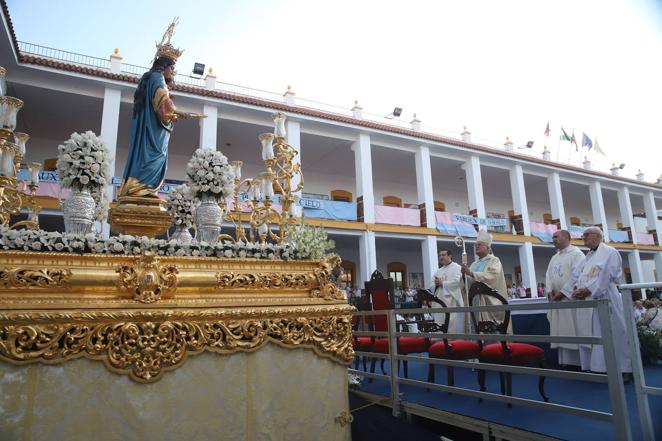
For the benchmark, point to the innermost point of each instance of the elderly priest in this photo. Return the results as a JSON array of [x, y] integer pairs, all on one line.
[[487, 269], [596, 277]]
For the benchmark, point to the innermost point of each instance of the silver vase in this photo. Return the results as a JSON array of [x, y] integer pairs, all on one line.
[[181, 235], [208, 221], [78, 211]]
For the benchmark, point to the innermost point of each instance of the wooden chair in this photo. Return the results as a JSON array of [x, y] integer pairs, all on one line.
[[507, 353], [382, 295], [445, 349]]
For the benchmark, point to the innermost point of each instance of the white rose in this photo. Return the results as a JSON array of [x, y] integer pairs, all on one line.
[[84, 180]]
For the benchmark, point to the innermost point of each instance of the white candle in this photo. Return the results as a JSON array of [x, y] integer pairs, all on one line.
[[267, 145], [293, 206], [8, 160], [21, 139], [236, 168], [267, 185], [34, 168], [279, 125], [257, 192]]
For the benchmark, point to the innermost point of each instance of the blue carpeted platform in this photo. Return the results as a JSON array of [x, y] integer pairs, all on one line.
[[573, 393]]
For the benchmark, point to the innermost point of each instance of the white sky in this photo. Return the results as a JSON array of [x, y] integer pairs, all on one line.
[[502, 68]]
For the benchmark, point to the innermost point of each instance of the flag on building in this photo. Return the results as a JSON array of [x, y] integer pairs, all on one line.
[[564, 136], [574, 141], [597, 148], [547, 129], [586, 141]]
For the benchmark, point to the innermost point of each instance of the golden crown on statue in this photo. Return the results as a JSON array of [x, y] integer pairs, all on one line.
[[165, 49]]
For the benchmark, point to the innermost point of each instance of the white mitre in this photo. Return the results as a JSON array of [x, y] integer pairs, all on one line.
[[485, 238]]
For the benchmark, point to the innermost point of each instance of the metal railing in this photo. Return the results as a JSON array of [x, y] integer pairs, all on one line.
[[58, 54], [641, 389], [133, 69], [613, 378]]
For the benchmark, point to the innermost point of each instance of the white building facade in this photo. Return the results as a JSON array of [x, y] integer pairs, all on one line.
[[399, 181]]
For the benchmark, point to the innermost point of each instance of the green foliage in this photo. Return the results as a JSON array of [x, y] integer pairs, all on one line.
[[309, 242], [650, 341]]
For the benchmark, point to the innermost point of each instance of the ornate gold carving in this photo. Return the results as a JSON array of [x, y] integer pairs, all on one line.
[[344, 418], [147, 279], [266, 280], [34, 278], [140, 216], [320, 282], [146, 348], [326, 280]]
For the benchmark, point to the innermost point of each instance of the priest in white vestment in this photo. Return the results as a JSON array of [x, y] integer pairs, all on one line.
[[563, 322], [488, 269], [448, 287], [596, 277]]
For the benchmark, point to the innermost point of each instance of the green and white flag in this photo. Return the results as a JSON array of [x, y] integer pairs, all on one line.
[[564, 136], [596, 147]]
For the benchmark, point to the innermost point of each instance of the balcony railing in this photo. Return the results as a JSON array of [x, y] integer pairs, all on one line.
[[58, 54]]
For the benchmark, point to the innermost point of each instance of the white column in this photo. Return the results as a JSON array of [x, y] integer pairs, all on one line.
[[556, 199], [658, 266], [209, 127], [528, 267], [519, 196], [475, 185], [367, 256], [424, 183], [636, 271], [363, 167], [651, 214], [110, 120], [430, 260], [294, 139], [110, 117], [625, 208], [598, 208]]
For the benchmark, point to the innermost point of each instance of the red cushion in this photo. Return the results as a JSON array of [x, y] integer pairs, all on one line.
[[520, 353], [459, 350], [407, 345], [362, 343]]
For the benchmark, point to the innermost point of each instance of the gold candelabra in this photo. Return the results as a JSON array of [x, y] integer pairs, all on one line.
[[283, 175], [13, 199]]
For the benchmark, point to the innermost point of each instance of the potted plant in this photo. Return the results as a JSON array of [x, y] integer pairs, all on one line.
[[83, 166], [211, 180]]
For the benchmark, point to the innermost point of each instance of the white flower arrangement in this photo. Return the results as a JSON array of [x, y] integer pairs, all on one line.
[[39, 240], [309, 242], [83, 162], [210, 174], [182, 203]]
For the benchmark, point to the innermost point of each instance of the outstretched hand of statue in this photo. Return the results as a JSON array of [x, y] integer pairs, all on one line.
[[189, 115]]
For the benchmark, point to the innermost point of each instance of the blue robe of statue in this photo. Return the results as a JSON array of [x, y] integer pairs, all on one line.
[[148, 147]]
